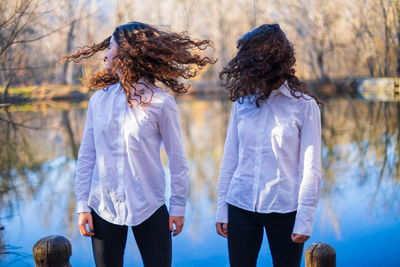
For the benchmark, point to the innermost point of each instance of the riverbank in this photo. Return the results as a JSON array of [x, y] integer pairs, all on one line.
[[45, 92], [77, 93], [363, 87]]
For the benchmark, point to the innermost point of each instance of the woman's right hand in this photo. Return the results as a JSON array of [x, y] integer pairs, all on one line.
[[83, 219], [222, 229]]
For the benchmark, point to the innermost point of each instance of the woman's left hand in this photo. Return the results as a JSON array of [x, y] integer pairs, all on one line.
[[296, 238], [178, 221]]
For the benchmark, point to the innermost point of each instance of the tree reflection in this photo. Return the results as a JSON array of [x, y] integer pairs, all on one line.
[[16, 160], [361, 138], [35, 153]]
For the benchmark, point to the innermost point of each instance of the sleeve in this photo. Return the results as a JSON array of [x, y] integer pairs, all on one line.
[[170, 131], [228, 166], [85, 164], [310, 168]]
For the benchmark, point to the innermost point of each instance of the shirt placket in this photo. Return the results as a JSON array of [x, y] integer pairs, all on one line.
[[120, 161], [258, 157]]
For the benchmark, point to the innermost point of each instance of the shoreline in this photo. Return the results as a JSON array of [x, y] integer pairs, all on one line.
[[78, 93]]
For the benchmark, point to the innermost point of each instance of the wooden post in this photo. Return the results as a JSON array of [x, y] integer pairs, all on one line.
[[52, 251], [320, 255], [396, 87]]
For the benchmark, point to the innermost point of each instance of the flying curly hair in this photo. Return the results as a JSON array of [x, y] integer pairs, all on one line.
[[147, 52], [265, 60]]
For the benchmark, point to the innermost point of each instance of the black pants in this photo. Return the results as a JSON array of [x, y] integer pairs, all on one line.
[[152, 237], [245, 234]]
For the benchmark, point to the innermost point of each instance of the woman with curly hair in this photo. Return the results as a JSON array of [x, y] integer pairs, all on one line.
[[270, 174], [120, 180]]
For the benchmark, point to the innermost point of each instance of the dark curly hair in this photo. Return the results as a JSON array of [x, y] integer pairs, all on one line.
[[265, 60], [147, 52]]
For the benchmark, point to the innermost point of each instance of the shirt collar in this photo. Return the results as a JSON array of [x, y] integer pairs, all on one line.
[[283, 89]]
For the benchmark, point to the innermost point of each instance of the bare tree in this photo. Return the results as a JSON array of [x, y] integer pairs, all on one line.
[[396, 35], [15, 22], [333, 38], [25, 27], [67, 68], [384, 10], [314, 23], [255, 9]]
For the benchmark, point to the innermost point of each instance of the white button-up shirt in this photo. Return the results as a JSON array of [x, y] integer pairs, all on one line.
[[272, 158], [119, 172]]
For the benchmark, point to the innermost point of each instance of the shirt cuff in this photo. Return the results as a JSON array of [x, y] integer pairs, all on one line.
[[304, 220], [82, 206], [222, 213], [176, 210]]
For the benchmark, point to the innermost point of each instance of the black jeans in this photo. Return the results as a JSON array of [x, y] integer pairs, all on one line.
[[245, 234], [152, 237]]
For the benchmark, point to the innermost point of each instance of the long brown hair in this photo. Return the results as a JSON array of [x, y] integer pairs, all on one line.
[[147, 52], [264, 61]]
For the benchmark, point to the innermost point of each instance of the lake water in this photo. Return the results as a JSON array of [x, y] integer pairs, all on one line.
[[358, 212]]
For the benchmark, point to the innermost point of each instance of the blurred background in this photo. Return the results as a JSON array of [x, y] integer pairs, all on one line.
[[348, 53], [333, 38]]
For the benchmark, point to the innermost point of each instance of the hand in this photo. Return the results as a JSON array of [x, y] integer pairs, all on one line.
[[222, 229], [83, 219], [178, 221], [296, 238]]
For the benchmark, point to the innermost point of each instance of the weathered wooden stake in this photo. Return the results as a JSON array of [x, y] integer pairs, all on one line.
[[320, 255], [52, 251]]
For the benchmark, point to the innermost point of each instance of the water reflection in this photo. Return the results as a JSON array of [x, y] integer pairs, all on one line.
[[39, 145], [361, 143], [33, 147]]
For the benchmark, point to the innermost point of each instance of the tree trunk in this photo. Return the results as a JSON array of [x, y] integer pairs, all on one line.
[[67, 70], [398, 47], [67, 125], [387, 40], [5, 92], [320, 62], [371, 66]]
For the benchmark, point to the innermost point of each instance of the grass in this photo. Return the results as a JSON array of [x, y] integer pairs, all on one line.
[[44, 91], [45, 106], [25, 91]]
